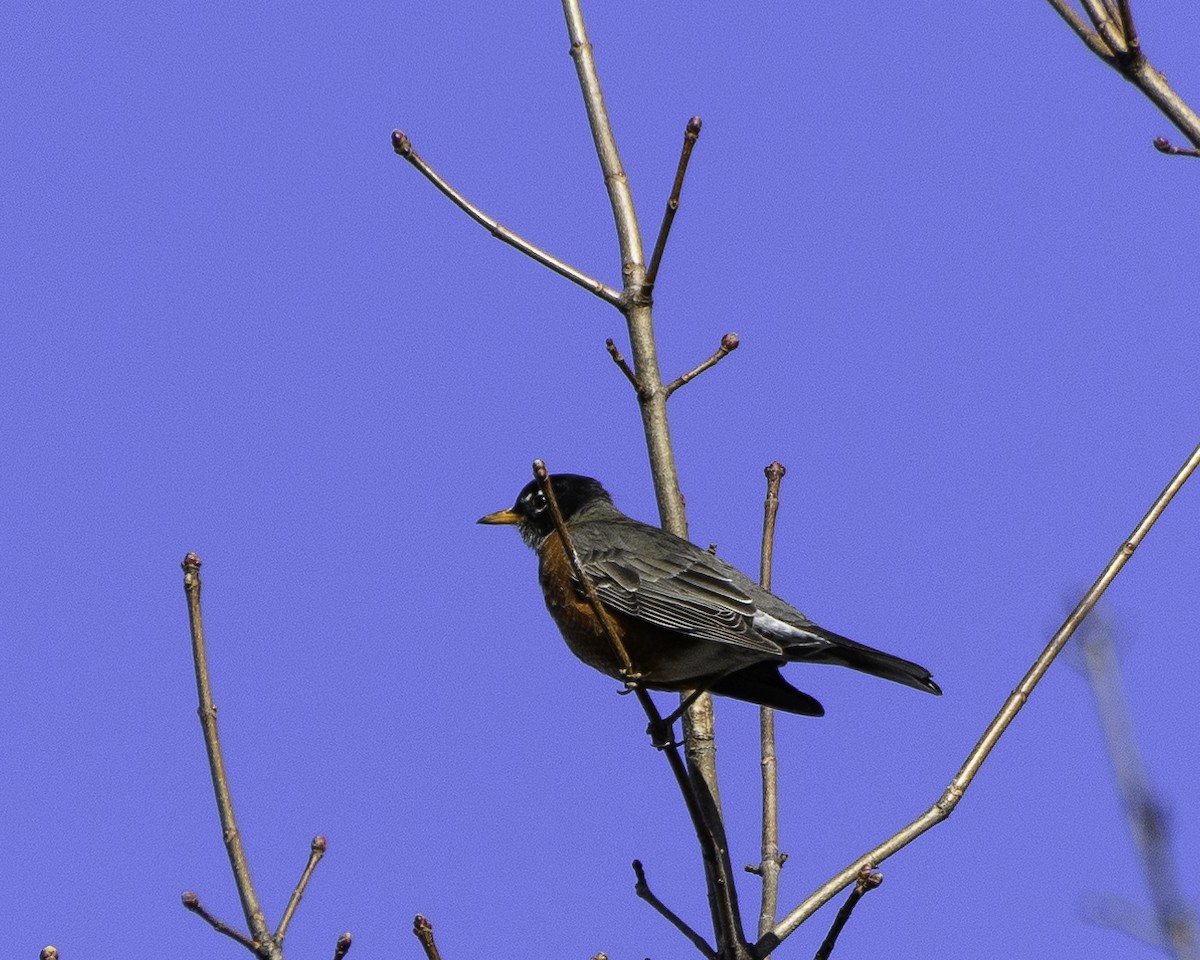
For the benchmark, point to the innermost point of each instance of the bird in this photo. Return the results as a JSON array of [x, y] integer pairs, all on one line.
[[687, 619]]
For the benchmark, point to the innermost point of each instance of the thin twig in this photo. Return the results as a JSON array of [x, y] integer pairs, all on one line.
[[701, 805], [729, 343], [259, 931], [1145, 811], [642, 888], [1163, 145], [867, 880], [423, 931], [690, 135], [1083, 31], [624, 366], [192, 903], [772, 861], [316, 851], [1128, 29], [958, 786], [1109, 29], [403, 146]]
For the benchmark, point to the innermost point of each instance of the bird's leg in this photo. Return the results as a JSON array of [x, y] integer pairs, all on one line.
[[632, 680]]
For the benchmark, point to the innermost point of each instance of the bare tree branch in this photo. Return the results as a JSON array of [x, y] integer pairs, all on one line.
[[423, 931], [772, 859], [698, 722], [642, 888], [403, 147], [1116, 42], [1163, 145], [867, 880], [316, 851], [729, 343], [259, 932], [634, 301], [192, 903], [690, 136], [1082, 30], [1012, 706], [623, 364], [1109, 30]]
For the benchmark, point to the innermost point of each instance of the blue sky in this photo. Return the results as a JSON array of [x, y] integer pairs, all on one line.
[[237, 323]]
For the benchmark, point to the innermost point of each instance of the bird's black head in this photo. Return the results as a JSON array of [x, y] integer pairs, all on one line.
[[531, 514]]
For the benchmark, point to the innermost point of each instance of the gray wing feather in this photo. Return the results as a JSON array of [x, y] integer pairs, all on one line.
[[684, 589]]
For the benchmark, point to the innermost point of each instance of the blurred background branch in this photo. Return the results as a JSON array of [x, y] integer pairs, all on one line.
[[1171, 924]]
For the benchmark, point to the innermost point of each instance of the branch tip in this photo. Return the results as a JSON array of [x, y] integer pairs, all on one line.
[[423, 931], [626, 369], [403, 147], [319, 844], [49, 952], [343, 945], [192, 903], [691, 134], [729, 343], [1163, 145]]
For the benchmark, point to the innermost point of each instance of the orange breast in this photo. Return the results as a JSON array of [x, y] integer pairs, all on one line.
[[665, 660]]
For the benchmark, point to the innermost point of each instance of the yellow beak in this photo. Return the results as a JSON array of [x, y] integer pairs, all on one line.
[[501, 516]]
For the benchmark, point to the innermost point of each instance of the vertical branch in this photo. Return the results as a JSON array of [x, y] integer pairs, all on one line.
[[208, 721], [698, 721], [772, 860], [619, 195], [635, 303]]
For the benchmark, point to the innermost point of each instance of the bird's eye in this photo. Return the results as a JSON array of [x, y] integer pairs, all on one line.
[[538, 503]]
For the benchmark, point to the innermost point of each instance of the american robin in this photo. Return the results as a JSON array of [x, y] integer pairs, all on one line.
[[688, 620]]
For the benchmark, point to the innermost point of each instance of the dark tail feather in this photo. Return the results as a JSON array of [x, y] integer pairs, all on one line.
[[762, 684], [858, 656]]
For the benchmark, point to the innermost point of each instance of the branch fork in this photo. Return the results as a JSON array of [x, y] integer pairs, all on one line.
[[261, 941]]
